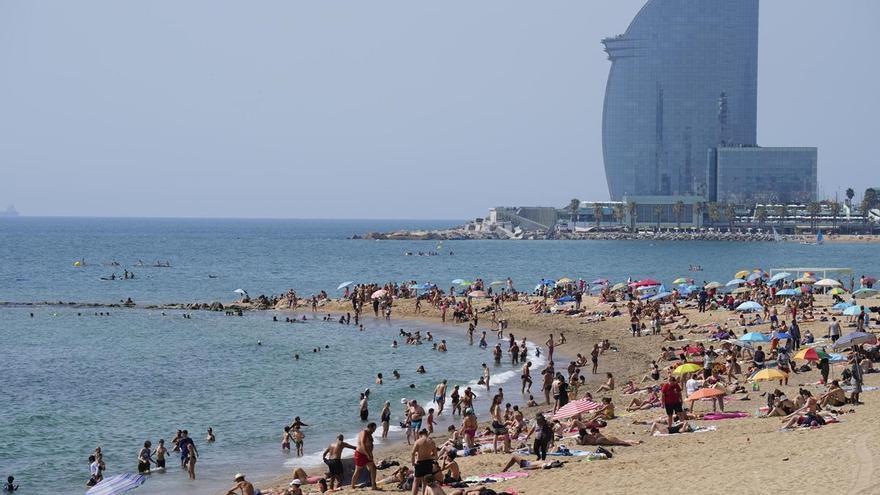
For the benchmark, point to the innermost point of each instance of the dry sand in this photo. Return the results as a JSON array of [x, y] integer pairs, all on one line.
[[748, 455]]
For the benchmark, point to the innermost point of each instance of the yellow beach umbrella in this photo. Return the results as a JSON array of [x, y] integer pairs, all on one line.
[[742, 274], [687, 368], [805, 280], [714, 285], [769, 374], [680, 280], [742, 290], [837, 291], [563, 281]]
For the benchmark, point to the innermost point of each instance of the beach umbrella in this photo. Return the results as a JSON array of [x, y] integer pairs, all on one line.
[[805, 280], [497, 283], [424, 286], [680, 280], [855, 338], [812, 354], [565, 299], [836, 358], [648, 282], [714, 285], [687, 368], [564, 280], [779, 276], [617, 287], [693, 287], [841, 306], [116, 484], [458, 281], [754, 276], [706, 393], [575, 408], [660, 296], [769, 374], [854, 310], [749, 306], [736, 281], [783, 336], [240, 291], [379, 293], [788, 292], [837, 291], [344, 284], [477, 293], [865, 293], [599, 281], [548, 282], [828, 282], [742, 274], [741, 290], [755, 337]]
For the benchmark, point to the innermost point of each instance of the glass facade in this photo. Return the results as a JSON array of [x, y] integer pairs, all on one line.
[[683, 80], [763, 175]]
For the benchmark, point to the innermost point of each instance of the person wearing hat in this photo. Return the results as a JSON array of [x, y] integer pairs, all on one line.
[[242, 487], [295, 487]]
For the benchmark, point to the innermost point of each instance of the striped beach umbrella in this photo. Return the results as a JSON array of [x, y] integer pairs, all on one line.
[[576, 407], [119, 483]]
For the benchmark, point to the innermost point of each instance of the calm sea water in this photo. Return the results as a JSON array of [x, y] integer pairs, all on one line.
[[73, 382]]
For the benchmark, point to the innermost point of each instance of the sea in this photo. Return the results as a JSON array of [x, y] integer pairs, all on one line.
[[74, 380]]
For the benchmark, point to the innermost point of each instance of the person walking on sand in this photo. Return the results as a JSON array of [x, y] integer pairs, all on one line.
[[440, 396], [363, 456], [423, 457], [332, 457]]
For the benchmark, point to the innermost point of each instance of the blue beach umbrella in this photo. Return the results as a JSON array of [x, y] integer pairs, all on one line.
[[565, 299], [660, 296], [855, 338], [736, 281], [457, 281], [865, 293], [755, 337], [344, 284], [855, 310], [789, 292], [778, 277], [841, 306], [754, 276], [783, 335], [119, 483], [749, 306]]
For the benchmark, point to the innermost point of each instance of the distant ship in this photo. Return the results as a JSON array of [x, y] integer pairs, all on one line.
[[10, 211]]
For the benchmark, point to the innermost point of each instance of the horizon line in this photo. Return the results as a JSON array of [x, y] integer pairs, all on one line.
[[135, 217]]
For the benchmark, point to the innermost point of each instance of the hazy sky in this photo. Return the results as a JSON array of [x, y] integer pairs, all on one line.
[[372, 109]]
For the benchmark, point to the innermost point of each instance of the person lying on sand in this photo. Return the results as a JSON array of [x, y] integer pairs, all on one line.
[[677, 427], [526, 464], [594, 437], [642, 404]]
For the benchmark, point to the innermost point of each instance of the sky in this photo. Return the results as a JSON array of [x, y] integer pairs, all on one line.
[[372, 109]]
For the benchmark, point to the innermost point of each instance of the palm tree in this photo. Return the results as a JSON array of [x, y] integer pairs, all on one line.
[[714, 213], [632, 210], [761, 214], [658, 210], [813, 210], [574, 207], [868, 201], [781, 213], [597, 214], [700, 207], [850, 194], [835, 212], [678, 211], [730, 214], [619, 212]]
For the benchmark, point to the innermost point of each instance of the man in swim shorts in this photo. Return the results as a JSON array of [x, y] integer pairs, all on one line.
[[333, 459], [416, 413], [440, 396], [424, 456], [363, 456]]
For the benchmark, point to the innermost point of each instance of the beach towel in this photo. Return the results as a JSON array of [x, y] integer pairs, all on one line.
[[572, 453], [726, 415], [698, 429]]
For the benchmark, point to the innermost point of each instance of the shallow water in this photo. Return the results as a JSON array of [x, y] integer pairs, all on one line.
[[75, 382]]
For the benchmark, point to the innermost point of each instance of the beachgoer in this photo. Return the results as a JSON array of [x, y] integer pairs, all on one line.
[[363, 456], [332, 457]]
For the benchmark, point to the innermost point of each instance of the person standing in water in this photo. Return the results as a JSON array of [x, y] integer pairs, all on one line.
[[526, 377], [364, 407], [160, 454], [486, 375], [385, 418], [145, 458], [440, 396]]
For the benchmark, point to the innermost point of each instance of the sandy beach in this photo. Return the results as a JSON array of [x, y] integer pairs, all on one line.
[[762, 457]]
